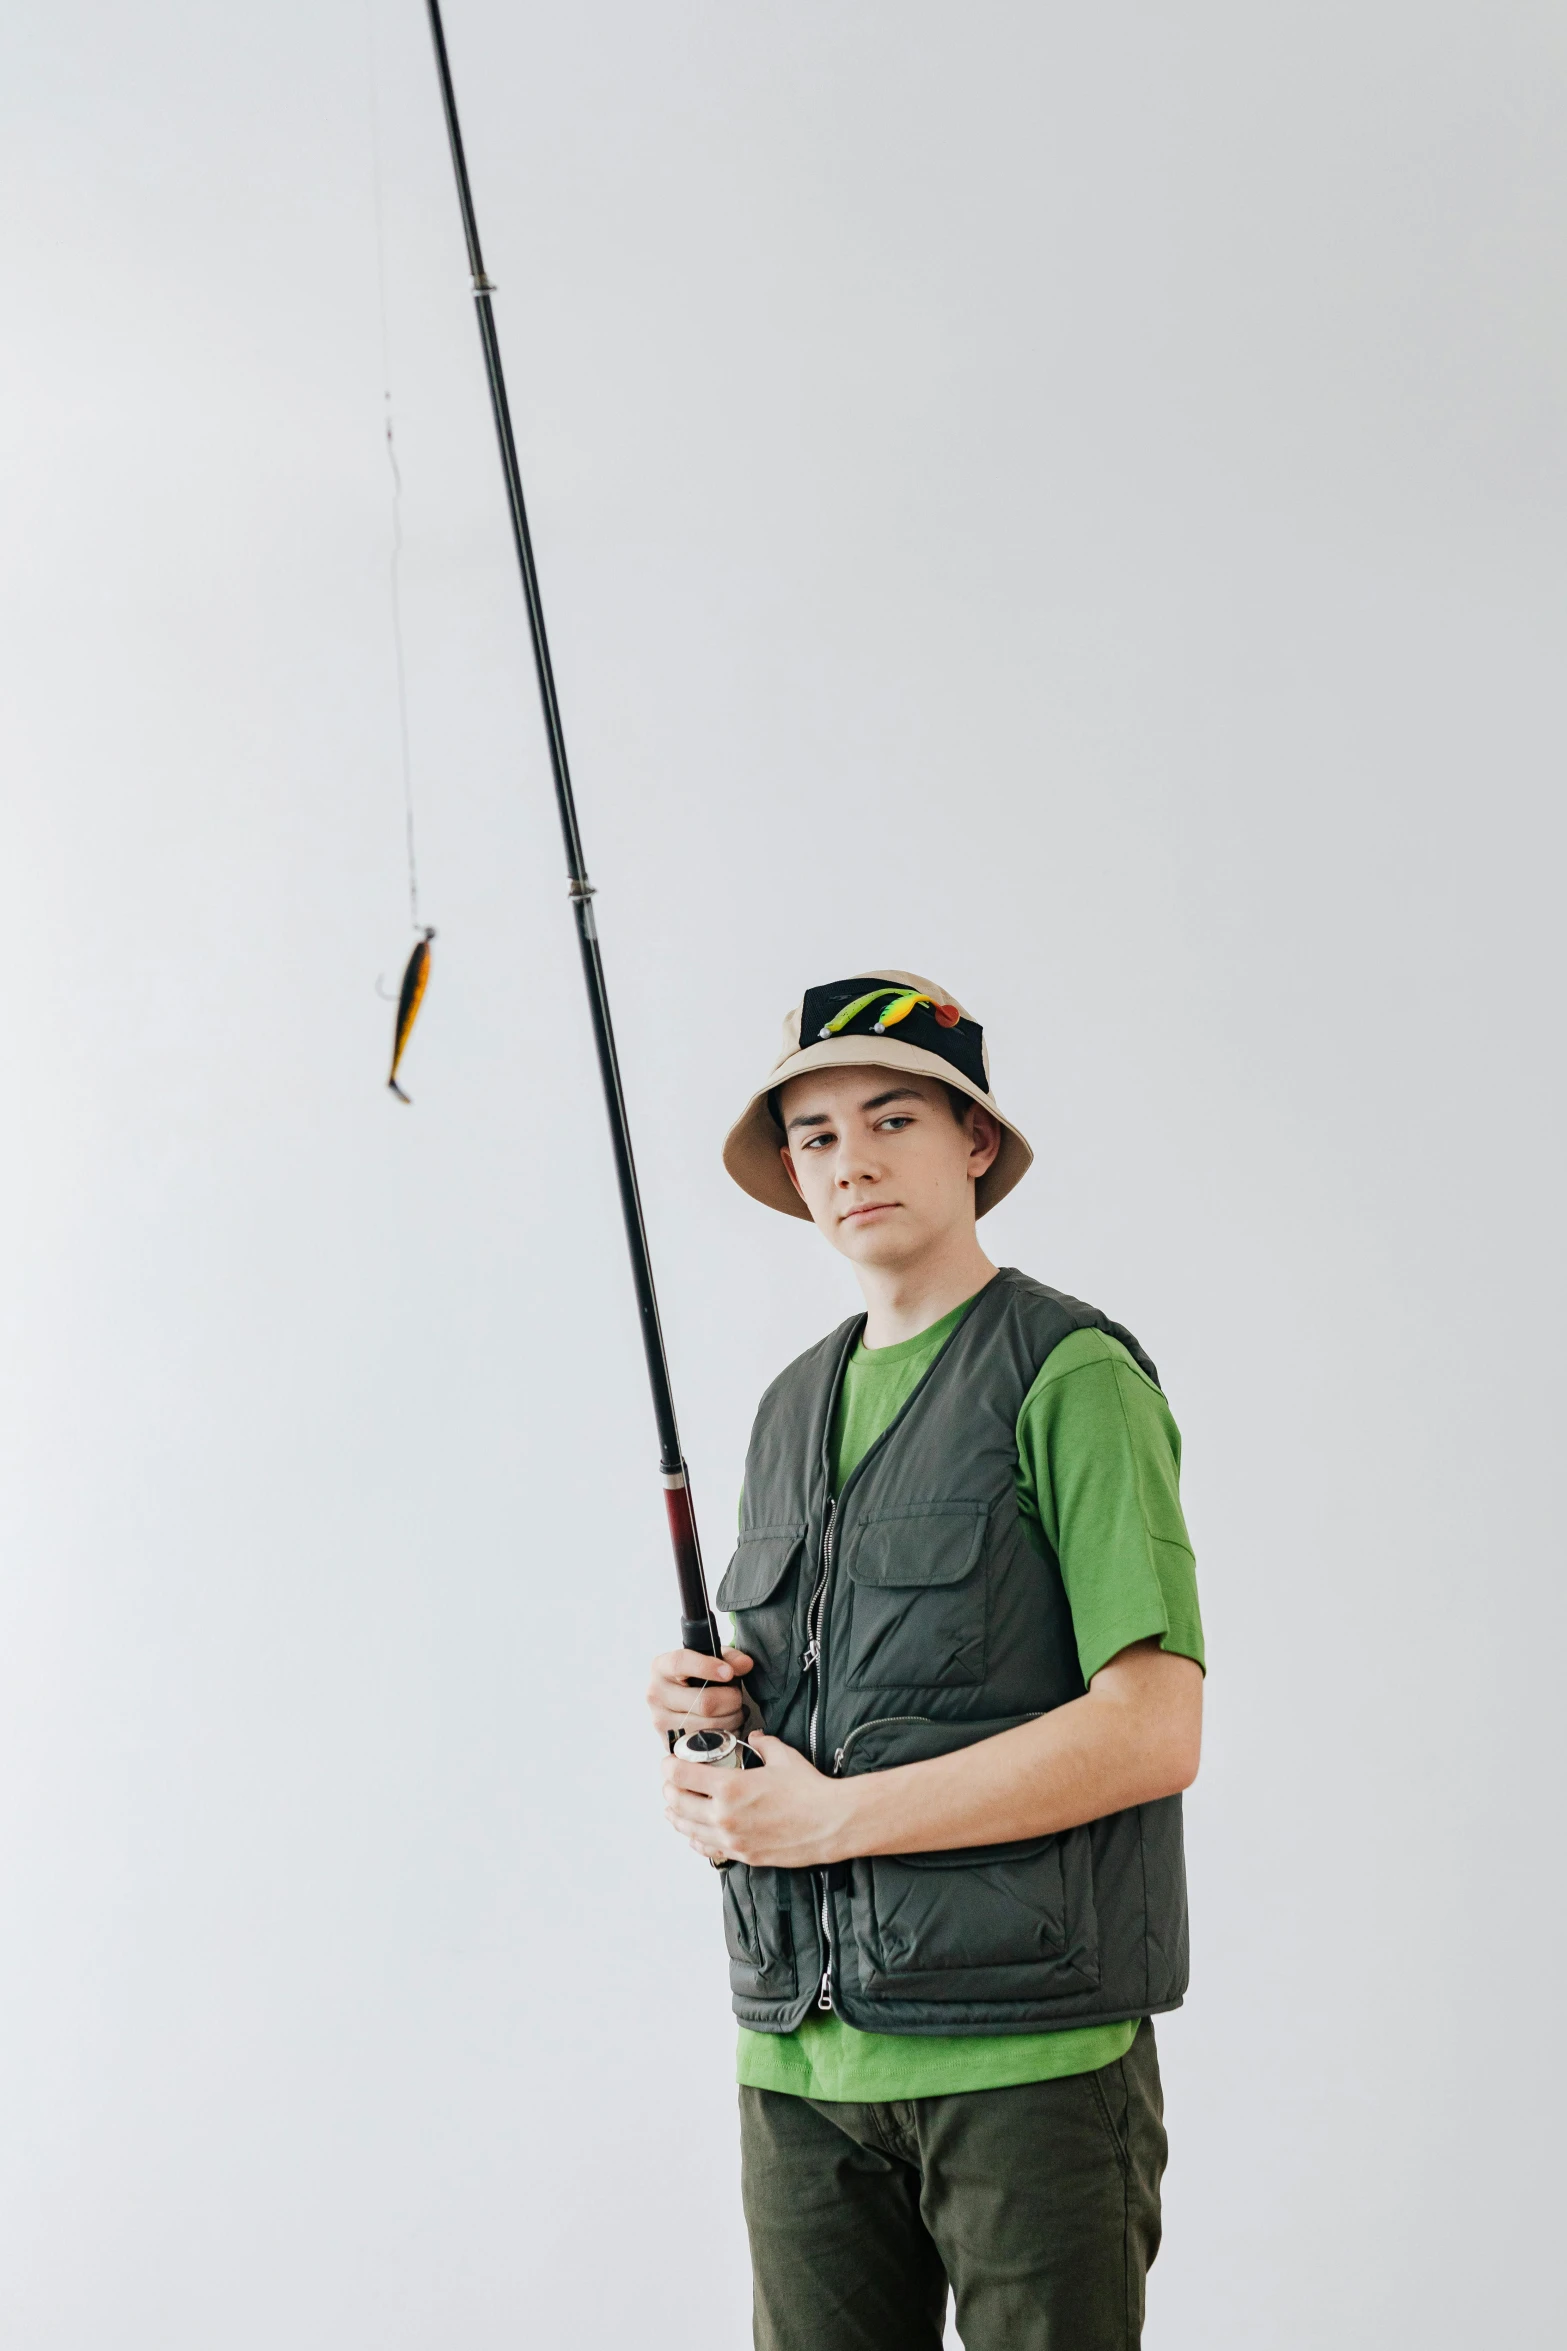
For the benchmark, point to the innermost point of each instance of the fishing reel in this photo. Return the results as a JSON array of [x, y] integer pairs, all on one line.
[[720, 1751]]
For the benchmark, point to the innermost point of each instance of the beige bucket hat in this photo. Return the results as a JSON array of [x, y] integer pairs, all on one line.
[[881, 1020]]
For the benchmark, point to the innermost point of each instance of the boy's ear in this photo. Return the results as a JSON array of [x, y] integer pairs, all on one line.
[[985, 1139], [787, 1156]]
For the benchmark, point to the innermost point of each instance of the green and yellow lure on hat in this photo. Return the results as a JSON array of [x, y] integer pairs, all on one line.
[[903, 1003]]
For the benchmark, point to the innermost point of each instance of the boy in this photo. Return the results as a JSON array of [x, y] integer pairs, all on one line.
[[965, 1601]]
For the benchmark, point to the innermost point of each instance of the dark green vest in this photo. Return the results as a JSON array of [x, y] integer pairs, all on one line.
[[911, 1618]]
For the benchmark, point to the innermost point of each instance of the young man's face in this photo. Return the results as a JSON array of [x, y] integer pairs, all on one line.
[[885, 1169]]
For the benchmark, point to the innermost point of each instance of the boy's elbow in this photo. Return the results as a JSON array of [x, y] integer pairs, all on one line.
[[1159, 1696], [1186, 1763], [1181, 1744], [1185, 1741], [1170, 1770]]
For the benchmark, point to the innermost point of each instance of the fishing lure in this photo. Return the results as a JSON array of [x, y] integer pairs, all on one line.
[[947, 1015], [904, 1001], [410, 996]]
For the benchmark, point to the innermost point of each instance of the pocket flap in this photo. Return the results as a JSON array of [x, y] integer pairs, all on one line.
[[891, 1739], [764, 1558], [924, 1543]]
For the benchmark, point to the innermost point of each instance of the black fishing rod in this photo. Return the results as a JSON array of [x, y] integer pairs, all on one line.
[[698, 1626]]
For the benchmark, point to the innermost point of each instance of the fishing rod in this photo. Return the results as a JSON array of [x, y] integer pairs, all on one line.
[[698, 1625]]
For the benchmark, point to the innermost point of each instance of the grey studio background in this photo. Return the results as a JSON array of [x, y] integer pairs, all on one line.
[[1070, 500]]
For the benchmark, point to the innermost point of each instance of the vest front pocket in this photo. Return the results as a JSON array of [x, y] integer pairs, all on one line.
[[984, 1922], [760, 1589], [758, 1930], [918, 1582], [930, 1926]]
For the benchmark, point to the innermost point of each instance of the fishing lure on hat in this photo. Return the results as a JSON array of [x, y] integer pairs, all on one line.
[[903, 1002]]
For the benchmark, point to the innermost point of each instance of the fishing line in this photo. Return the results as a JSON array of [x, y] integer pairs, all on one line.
[[389, 427], [416, 976], [698, 1625]]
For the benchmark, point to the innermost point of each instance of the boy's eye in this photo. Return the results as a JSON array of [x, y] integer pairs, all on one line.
[[812, 1141], [899, 1118]]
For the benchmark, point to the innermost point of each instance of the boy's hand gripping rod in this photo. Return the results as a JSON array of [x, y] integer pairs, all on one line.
[[698, 1626]]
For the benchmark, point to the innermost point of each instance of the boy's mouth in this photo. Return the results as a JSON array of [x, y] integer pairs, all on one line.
[[867, 1208]]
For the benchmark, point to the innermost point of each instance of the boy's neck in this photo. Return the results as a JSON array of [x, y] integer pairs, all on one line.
[[903, 1300]]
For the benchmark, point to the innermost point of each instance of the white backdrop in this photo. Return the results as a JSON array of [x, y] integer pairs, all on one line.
[[1067, 500]]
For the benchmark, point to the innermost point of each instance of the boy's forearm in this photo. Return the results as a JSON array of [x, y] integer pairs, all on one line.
[[1134, 1737]]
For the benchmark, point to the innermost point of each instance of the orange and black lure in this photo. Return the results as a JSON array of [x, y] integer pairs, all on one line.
[[410, 997]]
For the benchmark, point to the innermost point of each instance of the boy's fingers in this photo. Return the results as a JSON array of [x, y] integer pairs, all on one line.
[[695, 1706], [680, 1698], [689, 1665], [688, 1691], [701, 1710], [695, 1778]]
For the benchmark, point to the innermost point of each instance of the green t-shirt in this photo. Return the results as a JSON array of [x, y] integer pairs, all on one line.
[[1099, 1462]]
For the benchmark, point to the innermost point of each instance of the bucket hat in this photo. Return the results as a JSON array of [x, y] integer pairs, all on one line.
[[881, 1020]]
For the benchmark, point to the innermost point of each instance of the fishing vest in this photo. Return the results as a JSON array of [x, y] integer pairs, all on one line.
[[912, 1617]]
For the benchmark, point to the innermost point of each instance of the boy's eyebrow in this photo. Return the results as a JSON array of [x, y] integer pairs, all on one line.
[[819, 1118]]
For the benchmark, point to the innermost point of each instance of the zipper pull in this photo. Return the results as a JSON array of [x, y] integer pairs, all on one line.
[[812, 1653], [824, 1996], [837, 1761]]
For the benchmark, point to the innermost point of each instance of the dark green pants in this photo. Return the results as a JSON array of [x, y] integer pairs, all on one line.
[[1039, 2205]]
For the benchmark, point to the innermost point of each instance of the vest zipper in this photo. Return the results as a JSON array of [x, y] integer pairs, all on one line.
[[813, 1666], [811, 1663], [813, 1614]]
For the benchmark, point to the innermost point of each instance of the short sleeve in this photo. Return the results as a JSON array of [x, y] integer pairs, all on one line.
[[1099, 1460]]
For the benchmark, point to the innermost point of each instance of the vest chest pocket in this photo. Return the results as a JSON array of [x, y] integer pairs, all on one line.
[[760, 1589], [917, 1577]]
